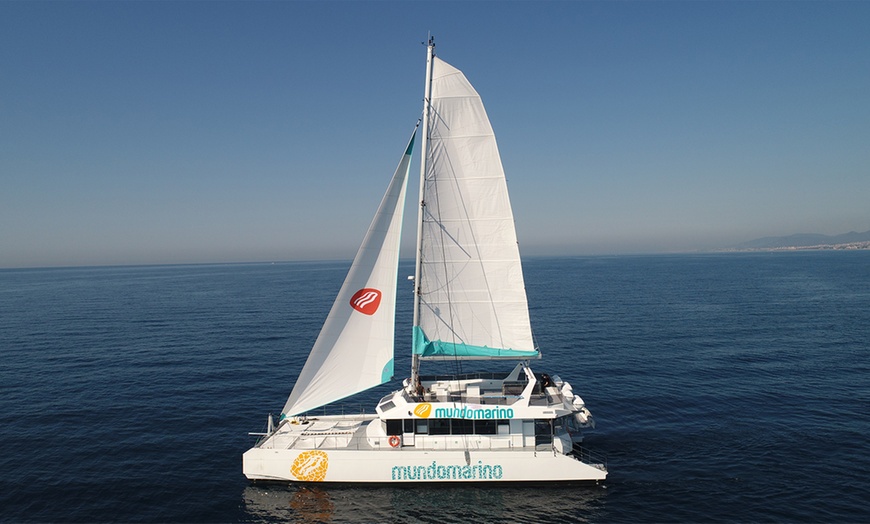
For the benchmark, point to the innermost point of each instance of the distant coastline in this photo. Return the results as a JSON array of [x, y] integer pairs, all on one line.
[[851, 246], [807, 242]]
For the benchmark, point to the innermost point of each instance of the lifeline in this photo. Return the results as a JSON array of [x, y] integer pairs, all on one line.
[[477, 471]]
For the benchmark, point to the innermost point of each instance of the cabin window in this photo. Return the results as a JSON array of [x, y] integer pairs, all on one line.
[[543, 427], [439, 426], [394, 427], [485, 427], [543, 431], [463, 426], [456, 426]]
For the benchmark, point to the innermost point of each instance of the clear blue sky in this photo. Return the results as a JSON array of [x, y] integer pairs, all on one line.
[[172, 132]]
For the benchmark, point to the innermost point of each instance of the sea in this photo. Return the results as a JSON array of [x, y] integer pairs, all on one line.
[[727, 387]]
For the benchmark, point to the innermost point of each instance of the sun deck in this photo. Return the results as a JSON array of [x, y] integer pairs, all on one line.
[[488, 389]]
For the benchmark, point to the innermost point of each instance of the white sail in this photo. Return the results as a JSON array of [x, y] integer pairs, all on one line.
[[354, 350], [472, 298]]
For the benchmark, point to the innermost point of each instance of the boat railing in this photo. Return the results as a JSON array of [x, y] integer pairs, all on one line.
[[593, 459], [463, 377], [353, 440], [484, 398], [341, 410]]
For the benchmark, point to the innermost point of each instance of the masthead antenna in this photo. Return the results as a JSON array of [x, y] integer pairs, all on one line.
[[431, 40]]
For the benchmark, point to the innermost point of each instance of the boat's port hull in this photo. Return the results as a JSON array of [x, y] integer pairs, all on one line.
[[402, 465]]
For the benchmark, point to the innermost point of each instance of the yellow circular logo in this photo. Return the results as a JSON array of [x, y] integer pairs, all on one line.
[[310, 466], [423, 410]]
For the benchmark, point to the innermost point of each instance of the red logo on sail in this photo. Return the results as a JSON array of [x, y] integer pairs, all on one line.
[[366, 301]]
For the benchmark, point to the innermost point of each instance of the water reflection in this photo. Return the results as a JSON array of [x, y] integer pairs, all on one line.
[[434, 503]]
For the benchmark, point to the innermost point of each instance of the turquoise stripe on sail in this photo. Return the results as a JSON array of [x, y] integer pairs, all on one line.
[[439, 348], [387, 373], [411, 143]]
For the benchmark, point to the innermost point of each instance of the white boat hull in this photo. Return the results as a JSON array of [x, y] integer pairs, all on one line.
[[403, 465]]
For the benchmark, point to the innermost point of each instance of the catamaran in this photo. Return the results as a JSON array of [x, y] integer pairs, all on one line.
[[469, 304]]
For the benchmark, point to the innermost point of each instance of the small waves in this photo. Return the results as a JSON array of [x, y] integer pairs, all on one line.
[[725, 388]]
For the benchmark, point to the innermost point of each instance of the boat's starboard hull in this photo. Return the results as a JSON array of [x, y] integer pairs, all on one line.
[[402, 465]]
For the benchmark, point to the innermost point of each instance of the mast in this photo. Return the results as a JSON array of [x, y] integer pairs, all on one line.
[[424, 144]]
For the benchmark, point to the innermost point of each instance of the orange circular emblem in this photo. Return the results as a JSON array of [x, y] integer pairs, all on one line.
[[310, 466]]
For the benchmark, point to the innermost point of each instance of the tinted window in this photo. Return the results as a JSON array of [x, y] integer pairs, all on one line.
[[463, 427], [394, 427], [439, 426], [485, 427]]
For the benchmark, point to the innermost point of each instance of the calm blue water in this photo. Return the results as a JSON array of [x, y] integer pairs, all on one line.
[[726, 388]]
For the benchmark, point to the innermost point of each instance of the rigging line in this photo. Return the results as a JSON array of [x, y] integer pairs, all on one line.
[[476, 246], [466, 219], [457, 362], [431, 181], [437, 222]]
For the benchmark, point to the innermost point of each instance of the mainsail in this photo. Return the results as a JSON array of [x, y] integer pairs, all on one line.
[[354, 350], [471, 293]]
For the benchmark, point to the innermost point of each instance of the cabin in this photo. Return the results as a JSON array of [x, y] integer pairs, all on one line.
[[516, 410]]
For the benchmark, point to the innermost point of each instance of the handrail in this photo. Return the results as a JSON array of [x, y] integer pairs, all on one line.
[[334, 441], [588, 457]]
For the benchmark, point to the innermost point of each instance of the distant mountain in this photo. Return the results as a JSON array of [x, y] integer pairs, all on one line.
[[804, 240]]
